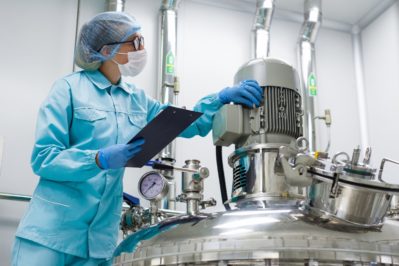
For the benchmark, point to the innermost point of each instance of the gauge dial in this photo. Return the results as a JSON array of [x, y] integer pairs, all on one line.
[[153, 185]]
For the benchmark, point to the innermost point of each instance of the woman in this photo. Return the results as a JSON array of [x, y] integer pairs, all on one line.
[[80, 149]]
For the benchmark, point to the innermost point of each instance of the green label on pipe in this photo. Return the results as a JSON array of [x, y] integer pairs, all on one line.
[[312, 84], [170, 64]]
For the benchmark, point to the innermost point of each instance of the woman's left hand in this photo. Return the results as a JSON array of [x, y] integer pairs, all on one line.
[[247, 92]]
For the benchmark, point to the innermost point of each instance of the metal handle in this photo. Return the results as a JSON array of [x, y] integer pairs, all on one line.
[[382, 167], [335, 161]]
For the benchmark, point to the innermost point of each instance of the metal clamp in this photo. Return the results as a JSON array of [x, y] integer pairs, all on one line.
[[335, 186], [382, 167], [296, 175]]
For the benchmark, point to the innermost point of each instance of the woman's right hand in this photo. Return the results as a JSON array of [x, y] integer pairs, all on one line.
[[116, 156]]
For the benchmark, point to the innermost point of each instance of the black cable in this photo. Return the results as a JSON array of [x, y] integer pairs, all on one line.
[[222, 180]]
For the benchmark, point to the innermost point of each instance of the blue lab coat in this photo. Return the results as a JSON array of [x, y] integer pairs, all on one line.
[[76, 206]]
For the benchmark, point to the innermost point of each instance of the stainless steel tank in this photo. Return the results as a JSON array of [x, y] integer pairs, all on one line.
[[265, 237], [339, 221]]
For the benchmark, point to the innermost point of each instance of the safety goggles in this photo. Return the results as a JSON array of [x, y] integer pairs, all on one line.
[[137, 43]]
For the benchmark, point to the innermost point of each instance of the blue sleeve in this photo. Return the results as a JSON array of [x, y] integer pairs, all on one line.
[[52, 158], [208, 105], [154, 107]]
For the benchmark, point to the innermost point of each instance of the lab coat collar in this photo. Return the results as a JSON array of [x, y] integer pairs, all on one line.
[[101, 82]]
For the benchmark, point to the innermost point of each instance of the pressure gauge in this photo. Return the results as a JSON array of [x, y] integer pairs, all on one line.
[[153, 186]]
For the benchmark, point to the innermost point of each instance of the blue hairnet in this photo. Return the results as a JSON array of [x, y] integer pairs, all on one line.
[[104, 28]]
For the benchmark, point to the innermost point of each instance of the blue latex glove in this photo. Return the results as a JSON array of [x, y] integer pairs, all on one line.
[[116, 156], [247, 92]]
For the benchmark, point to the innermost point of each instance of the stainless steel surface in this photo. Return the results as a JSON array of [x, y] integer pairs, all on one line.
[[192, 186], [154, 214], [394, 208], [352, 204], [16, 197], [307, 65], [116, 5], [1, 151], [189, 181], [261, 28], [264, 237], [169, 202], [171, 212], [255, 174], [354, 200]]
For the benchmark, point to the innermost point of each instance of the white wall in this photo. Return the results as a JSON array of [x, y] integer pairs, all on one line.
[[380, 41], [337, 91], [213, 43], [34, 53], [37, 46]]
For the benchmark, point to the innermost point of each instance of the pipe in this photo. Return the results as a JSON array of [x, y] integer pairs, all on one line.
[[307, 66], [116, 5], [168, 83], [171, 212], [261, 28], [76, 33], [222, 179], [16, 197], [360, 87]]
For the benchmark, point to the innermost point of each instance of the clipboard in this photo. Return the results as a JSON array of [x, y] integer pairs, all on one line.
[[160, 131]]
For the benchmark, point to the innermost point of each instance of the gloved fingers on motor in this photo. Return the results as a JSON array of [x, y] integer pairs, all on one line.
[[255, 92], [244, 101], [250, 81], [248, 96], [255, 84]]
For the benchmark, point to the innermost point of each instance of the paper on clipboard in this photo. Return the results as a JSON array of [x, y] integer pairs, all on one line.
[[160, 131]]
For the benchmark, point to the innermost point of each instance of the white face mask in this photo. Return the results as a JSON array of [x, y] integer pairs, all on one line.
[[136, 63]]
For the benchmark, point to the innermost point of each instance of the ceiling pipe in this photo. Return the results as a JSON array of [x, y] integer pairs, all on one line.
[[307, 67], [261, 28], [116, 5]]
